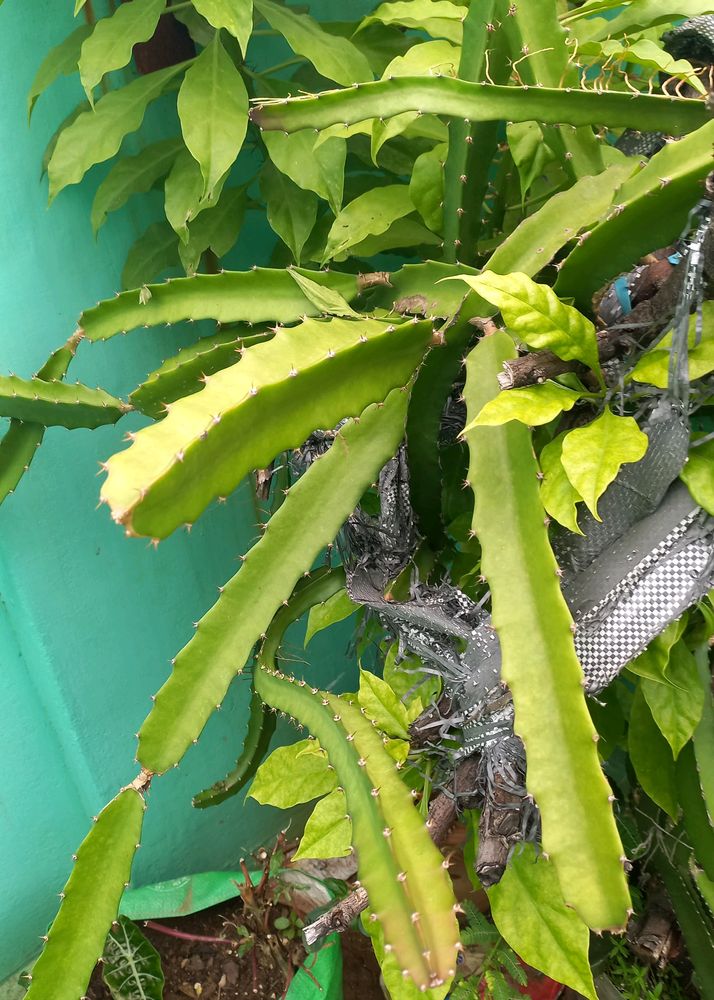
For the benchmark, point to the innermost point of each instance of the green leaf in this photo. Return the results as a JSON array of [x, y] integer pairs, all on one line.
[[435, 17], [592, 455], [530, 152], [677, 706], [292, 540], [236, 16], [327, 300], [291, 211], [213, 108], [96, 135], [534, 314], [217, 229], [334, 609], [60, 61], [334, 57], [651, 756], [319, 168], [382, 705], [426, 187], [704, 735], [184, 196], [371, 213], [645, 14], [58, 403], [154, 252], [698, 474], [133, 175], [653, 662], [309, 773], [131, 966], [653, 367], [645, 53], [539, 662], [110, 45], [90, 901], [328, 831], [404, 234], [532, 405], [528, 909], [557, 493]]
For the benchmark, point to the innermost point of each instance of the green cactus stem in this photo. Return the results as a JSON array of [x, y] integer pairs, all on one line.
[[306, 377], [90, 901], [57, 404], [539, 664], [292, 540], [257, 296], [401, 869], [22, 439], [479, 102], [315, 589]]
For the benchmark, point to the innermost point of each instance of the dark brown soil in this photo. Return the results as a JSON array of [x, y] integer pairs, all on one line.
[[210, 970]]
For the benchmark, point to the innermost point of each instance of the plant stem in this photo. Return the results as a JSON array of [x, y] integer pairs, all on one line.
[[283, 65], [172, 932], [178, 6]]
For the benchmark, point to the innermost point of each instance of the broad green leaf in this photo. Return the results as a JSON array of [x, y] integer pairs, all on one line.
[[371, 213], [405, 234], [592, 455], [381, 704], [334, 57], [236, 16], [90, 901], [133, 175], [319, 168], [528, 909], [653, 662], [183, 193], [645, 53], [651, 756], [95, 136], [653, 367], [335, 609], [217, 229], [426, 187], [438, 18], [154, 252], [110, 45], [559, 496], [328, 831], [309, 773], [535, 314], [409, 682], [327, 300], [532, 405], [641, 15], [131, 966], [698, 474], [704, 734], [60, 61], [291, 211], [213, 108], [676, 707], [530, 152]]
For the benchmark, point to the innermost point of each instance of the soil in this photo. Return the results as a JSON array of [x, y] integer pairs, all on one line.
[[210, 970]]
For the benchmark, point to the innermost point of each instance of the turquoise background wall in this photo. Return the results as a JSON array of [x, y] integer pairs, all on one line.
[[89, 620]]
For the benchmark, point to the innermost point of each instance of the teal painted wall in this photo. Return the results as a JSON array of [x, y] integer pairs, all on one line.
[[89, 619]]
